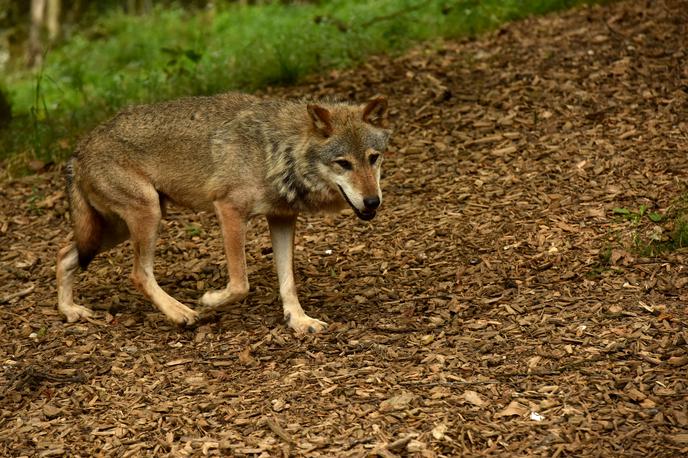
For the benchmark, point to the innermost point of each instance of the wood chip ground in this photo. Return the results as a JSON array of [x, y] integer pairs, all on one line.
[[476, 315]]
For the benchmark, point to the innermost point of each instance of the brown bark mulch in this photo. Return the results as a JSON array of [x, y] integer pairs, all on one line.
[[496, 305]]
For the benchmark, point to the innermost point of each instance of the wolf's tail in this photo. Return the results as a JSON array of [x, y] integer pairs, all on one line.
[[87, 222]]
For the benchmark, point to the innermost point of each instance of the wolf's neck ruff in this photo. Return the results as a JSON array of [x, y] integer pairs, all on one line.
[[293, 172], [287, 178]]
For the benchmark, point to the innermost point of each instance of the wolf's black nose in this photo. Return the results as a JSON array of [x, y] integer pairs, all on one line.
[[371, 203]]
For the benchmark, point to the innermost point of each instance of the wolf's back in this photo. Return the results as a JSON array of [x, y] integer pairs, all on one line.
[[165, 126]]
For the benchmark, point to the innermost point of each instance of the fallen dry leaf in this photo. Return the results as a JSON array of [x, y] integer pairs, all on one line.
[[473, 397], [245, 357], [513, 409], [678, 361], [439, 431], [398, 402]]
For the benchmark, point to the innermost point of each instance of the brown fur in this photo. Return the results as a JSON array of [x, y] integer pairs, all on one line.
[[236, 154]]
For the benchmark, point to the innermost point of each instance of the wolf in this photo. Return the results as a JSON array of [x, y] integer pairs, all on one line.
[[238, 155]]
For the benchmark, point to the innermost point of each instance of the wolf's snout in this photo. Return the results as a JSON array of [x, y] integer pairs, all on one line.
[[371, 203]]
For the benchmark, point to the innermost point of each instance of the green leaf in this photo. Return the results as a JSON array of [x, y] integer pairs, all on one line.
[[621, 211], [193, 56], [193, 230], [655, 217]]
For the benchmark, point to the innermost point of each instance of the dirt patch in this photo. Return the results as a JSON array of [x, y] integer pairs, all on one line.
[[492, 307]]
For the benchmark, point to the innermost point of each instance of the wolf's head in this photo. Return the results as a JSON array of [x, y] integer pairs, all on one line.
[[347, 147]]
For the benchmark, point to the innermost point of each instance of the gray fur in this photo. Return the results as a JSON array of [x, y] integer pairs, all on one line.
[[233, 153]]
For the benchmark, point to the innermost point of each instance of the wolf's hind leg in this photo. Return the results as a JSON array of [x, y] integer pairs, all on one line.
[[233, 225], [143, 224], [67, 264], [112, 232], [282, 234]]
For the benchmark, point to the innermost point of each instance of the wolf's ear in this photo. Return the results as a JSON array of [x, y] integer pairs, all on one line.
[[375, 112], [321, 118]]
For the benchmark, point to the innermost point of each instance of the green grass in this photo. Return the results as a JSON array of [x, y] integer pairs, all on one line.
[[652, 233], [646, 233], [121, 59]]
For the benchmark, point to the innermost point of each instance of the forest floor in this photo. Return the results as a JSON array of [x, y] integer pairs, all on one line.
[[499, 304]]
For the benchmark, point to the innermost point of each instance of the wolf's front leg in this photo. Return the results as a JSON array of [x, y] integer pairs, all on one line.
[[282, 234], [233, 225]]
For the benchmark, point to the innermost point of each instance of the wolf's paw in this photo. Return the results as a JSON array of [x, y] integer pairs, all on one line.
[[73, 312], [222, 297], [303, 323], [181, 315]]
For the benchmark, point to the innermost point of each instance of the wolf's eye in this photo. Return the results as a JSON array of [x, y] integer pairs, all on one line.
[[373, 158], [343, 163]]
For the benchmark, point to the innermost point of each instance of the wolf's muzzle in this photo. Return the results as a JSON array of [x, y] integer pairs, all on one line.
[[371, 204], [366, 215]]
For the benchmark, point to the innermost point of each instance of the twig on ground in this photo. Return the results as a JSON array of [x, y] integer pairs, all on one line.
[[16, 315], [451, 383], [419, 298], [31, 375], [276, 428], [17, 294], [399, 444], [39, 375]]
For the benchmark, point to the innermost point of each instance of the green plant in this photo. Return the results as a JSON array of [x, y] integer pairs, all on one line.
[[5, 109], [171, 52], [679, 221], [34, 199], [636, 216], [193, 230], [653, 233]]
